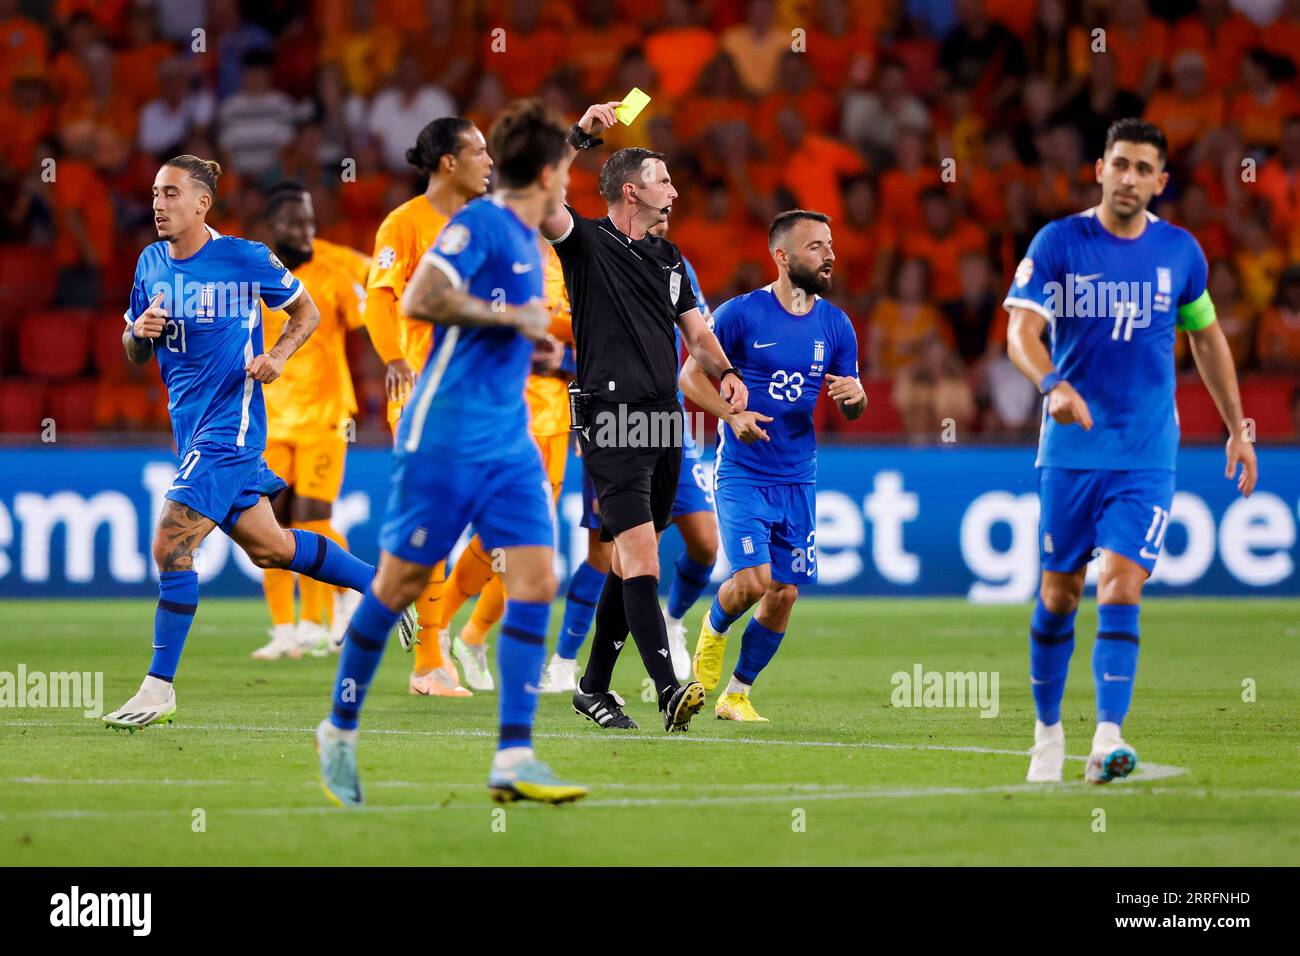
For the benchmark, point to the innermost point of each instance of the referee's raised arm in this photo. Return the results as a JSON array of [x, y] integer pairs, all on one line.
[[583, 135]]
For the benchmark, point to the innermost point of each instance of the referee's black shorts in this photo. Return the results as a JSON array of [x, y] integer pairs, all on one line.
[[635, 480]]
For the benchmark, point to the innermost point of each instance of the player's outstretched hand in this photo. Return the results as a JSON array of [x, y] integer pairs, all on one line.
[[532, 319], [265, 368], [845, 389], [735, 392], [1242, 452], [398, 381], [598, 118], [152, 321], [1067, 407], [745, 425]]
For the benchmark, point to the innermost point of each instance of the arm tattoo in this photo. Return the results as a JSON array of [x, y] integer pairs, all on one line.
[[430, 298], [304, 317]]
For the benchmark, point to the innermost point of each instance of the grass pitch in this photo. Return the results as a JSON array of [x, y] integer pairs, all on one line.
[[839, 776]]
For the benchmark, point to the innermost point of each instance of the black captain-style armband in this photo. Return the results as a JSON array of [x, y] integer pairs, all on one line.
[[580, 140], [732, 371]]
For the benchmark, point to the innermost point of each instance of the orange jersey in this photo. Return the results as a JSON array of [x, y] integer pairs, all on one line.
[[314, 395], [404, 236], [548, 395]]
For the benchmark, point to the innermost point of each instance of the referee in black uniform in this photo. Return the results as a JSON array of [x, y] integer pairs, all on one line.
[[628, 290]]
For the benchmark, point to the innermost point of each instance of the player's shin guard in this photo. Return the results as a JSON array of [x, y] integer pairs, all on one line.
[[611, 632], [521, 655], [646, 622], [688, 584], [178, 599], [758, 645], [720, 619], [1051, 643], [320, 558], [363, 648], [579, 608], [277, 586], [1114, 660]]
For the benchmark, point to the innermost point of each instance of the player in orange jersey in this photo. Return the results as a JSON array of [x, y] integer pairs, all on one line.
[[454, 155], [309, 411]]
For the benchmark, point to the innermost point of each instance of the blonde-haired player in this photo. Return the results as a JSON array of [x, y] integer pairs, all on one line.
[[547, 393], [454, 155], [308, 411]]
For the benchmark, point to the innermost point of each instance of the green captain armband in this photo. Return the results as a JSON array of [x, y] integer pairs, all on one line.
[[1197, 314]]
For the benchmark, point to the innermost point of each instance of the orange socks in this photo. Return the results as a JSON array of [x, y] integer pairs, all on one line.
[[277, 585], [472, 572], [428, 655], [491, 605]]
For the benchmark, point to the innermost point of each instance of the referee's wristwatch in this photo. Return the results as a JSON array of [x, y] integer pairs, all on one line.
[[580, 140], [1049, 382]]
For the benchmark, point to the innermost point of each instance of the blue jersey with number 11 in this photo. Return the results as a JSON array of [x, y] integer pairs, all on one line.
[[1113, 305]]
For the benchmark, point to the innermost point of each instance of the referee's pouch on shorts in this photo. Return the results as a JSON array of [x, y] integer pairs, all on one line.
[[579, 407]]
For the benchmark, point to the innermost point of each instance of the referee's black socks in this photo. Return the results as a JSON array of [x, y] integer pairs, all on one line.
[[611, 632], [646, 620]]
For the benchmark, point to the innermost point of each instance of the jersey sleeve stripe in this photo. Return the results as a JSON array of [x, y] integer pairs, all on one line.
[[1011, 302], [445, 267], [293, 298]]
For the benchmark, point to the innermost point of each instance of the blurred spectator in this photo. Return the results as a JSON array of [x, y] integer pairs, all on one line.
[[136, 73], [1049, 49], [863, 246], [27, 118], [404, 108], [814, 164], [83, 214], [873, 119], [1101, 101], [1279, 330], [842, 45], [680, 49], [756, 46], [1258, 109], [1279, 183], [987, 182], [366, 50], [1013, 401], [24, 44], [179, 110], [1137, 43], [595, 46], [933, 393], [84, 58], [797, 87], [1235, 315], [1190, 108], [983, 56], [255, 123], [971, 315], [1282, 38], [1221, 35], [942, 242], [1197, 216], [902, 323], [532, 50], [708, 238], [901, 187], [1258, 261], [233, 40]]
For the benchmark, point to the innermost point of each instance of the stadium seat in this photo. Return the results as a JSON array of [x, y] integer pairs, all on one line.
[[26, 276], [1198, 416], [1267, 399], [72, 406], [54, 343], [880, 418], [106, 346], [22, 406]]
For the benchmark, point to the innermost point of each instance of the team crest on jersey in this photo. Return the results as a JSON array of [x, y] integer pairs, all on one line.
[[453, 239], [387, 256], [819, 351], [1024, 271], [1164, 289], [675, 286], [275, 260]]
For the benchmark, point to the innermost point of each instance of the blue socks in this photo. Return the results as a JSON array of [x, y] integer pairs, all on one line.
[[521, 655], [688, 584], [757, 648], [320, 558], [178, 599], [719, 619], [1114, 660], [1051, 642], [363, 648], [579, 609]]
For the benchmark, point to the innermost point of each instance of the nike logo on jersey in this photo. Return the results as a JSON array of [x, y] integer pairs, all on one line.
[[519, 268], [1148, 555], [764, 345], [177, 487], [1114, 677], [1095, 275]]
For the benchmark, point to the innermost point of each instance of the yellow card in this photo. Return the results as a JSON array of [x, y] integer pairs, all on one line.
[[631, 107]]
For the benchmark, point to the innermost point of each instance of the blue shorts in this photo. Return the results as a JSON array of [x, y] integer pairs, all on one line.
[[769, 524], [1122, 511], [507, 500], [222, 481], [694, 490]]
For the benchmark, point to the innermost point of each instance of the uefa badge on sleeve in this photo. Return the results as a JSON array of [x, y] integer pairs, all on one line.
[[674, 285], [1024, 271]]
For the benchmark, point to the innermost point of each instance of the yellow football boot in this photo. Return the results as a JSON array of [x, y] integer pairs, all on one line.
[[706, 665], [737, 707]]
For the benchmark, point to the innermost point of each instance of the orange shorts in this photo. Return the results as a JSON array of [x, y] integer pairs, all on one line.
[[313, 468]]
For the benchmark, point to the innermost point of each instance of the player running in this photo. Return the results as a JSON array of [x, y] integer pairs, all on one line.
[[308, 413], [1114, 283], [196, 303], [464, 455], [786, 340], [547, 394], [694, 517], [452, 152]]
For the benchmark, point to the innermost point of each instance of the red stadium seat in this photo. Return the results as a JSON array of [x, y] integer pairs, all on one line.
[[1198, 417], [55, 343], [72, 406], [22, 406], [1267, 399], [106, 347], [880, 418], [27, 276]]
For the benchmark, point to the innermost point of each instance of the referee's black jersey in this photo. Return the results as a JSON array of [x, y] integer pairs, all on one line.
[[625, 296]]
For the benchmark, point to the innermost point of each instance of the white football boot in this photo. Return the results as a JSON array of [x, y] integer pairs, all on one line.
[[346, 603], [560, 677], [1111, 758], [283, 643], [312, 638], [677, 647], [473, 660], [1047, 759], [153, 703]]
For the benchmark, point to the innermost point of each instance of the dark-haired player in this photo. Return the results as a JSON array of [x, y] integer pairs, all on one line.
[[452, 152], [307, 413], [786, 340], [464, 454], [196, 304], [1114, 283]]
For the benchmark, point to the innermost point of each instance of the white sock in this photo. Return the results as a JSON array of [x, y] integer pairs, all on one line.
[[156, 687], [672, 621], [736, 687], [1106, 732], [511, 757], [338, 733], [1042, 732]]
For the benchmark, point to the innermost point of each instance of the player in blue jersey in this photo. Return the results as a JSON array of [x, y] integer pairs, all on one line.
[[1114, 283], [786, 340], [196, 305], [694, 517], [464, 456]]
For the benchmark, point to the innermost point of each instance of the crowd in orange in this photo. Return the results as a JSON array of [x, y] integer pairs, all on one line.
[[938, 134]]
